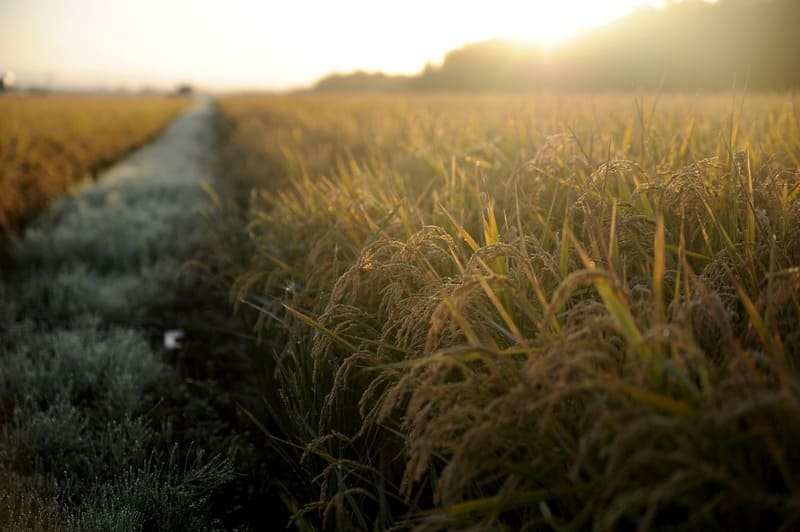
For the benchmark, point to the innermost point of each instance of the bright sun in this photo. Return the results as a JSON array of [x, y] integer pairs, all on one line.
[[550, 22], [417, 31]]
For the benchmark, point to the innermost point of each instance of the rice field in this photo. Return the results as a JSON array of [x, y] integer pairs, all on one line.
[[50, 142], [549, 311], [411, 311]]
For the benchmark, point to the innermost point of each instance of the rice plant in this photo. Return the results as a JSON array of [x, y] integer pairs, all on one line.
[[528, 311]]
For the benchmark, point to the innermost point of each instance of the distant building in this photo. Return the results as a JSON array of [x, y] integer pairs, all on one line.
[[7, 81], [184, 90]]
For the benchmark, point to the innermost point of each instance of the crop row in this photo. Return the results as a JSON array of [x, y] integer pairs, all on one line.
[[555, 311], [48, 143]]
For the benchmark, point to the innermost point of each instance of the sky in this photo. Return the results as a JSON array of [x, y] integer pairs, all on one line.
[[264, 44]]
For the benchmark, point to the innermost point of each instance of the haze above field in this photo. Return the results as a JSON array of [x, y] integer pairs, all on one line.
[[248, 44]]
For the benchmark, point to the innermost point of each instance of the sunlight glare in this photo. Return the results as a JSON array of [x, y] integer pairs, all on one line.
[[551, 22]]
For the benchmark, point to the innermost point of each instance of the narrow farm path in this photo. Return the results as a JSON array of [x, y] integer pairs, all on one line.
[[112, 248], [85, 440]]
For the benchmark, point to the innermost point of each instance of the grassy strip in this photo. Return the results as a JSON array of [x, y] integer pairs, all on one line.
[[97, 430]]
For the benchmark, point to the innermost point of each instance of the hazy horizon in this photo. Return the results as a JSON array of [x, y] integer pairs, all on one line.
[[92, 44]]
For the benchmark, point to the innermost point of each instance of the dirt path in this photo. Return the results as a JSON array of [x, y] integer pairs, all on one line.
[[179, 155], [82, 375], [111, 248]]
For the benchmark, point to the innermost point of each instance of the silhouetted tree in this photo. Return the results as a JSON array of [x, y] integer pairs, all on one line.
[[362, 81]]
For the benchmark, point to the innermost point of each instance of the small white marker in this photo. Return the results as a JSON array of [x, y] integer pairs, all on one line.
[[172, 338]]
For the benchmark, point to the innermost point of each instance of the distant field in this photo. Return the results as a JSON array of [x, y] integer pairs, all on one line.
[[49, 142], [545, 311]]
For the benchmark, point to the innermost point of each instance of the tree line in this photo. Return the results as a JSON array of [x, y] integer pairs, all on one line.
[[689, 45]]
